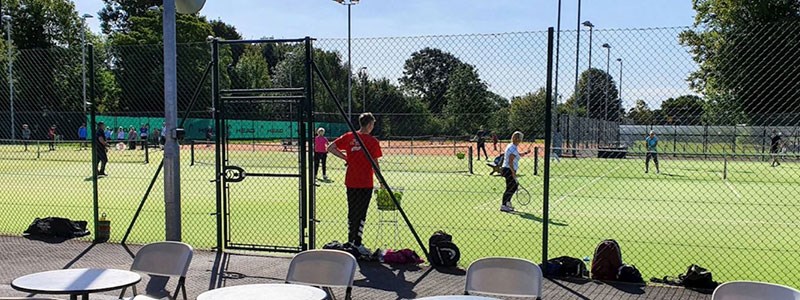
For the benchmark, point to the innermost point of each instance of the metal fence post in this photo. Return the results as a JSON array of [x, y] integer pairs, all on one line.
[[547, 141], [535, 161], [469, 153], [93, 117]]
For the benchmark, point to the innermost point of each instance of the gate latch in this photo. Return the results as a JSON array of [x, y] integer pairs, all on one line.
[[234, 174]]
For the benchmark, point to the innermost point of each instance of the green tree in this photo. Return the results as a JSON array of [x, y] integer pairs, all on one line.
[[46, 52], [427, 75], [684, 110], [526, 113], [735, 42], [226, 31], [468, 104], [134, 33], [603, 96], [641, 113]]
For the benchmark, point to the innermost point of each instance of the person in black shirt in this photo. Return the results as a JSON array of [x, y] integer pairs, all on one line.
[[209, 136], [101, 146], [480, 138], [775, 148]]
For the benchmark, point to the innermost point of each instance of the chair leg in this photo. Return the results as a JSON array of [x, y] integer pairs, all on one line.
[[122, 293], [347, 293]]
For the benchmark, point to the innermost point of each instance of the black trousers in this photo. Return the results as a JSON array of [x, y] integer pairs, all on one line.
[[654, 157], [511, 185], [321, 158], [482, 146], [357, 206], [102, 159]]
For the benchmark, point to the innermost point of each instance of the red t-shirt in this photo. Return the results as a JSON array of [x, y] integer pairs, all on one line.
[[359, 170]]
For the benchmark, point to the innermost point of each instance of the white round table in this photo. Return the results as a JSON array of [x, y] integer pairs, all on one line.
[[457, 297], [264, 291], [74, 282]]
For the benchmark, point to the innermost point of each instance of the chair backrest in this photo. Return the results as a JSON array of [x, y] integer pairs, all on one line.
[[752, 290], [326, 268], [164, 259], [503, 276]]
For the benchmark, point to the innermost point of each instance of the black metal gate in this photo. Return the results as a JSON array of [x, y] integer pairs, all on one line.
[[263, 157]]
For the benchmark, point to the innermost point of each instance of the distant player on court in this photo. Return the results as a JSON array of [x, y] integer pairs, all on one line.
[[358, 176], [26, 135], [480, 138], [775, 148], [101, 147], [82, 135], [321, 154], [652, 151], [510, 166]]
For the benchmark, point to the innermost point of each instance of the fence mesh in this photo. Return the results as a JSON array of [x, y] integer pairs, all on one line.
[[718, 190]]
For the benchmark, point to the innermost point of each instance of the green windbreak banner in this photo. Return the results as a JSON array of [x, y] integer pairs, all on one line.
[[237, 129]]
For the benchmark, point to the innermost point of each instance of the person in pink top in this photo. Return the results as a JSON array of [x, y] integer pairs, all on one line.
[[321, 154]]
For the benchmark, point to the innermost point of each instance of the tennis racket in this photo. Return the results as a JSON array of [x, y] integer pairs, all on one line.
[[522, 196]]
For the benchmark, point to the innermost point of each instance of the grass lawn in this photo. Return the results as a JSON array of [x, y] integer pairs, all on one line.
[[745, 227]]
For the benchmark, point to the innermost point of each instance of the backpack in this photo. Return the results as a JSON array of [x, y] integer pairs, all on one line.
[[57, 227], [697, 277], [566, 266], [629, 273], [607, 260], [443, 252]]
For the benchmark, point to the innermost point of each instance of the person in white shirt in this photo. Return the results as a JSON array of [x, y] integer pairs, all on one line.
[[511, 159]]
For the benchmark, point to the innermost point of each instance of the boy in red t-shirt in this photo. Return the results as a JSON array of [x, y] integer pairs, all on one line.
[[359, 174]]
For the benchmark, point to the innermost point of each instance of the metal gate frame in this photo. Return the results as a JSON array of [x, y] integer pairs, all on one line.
[[225, 174]]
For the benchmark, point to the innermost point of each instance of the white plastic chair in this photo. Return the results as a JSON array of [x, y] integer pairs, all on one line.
[[166, 259], [504, 276], [752, 290], [323, 268]]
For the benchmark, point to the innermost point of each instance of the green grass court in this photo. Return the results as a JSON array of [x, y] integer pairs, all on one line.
[[745, 227]]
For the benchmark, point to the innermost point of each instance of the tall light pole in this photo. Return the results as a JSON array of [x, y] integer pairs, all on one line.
[[577, 56], [608, 80], [83, 56], [620, 82], [589, 73], [7, 20], [172, 159], [363, 73], [349, 4]]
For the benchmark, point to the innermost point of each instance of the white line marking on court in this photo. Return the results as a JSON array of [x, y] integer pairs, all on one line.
[[679, 219], [590, 183], [730, 186]]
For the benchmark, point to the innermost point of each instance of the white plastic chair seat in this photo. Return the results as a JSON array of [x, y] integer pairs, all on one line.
[[162, 259], [323, 268], [752, 290], [503, 276]]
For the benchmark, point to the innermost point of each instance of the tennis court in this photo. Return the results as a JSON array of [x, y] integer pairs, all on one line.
[[664, 222]]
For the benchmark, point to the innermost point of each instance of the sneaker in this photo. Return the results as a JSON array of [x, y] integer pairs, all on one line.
[[364, 251], [506, 208], [325, 178]]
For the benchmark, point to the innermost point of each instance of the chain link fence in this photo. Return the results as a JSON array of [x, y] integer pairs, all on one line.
[[446, 106]]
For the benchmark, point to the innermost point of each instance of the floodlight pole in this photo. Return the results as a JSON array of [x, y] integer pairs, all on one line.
[[349, 65], [83, 57], [7, 20], [620, 82], [577, 57], [608, 80], [172, 182]]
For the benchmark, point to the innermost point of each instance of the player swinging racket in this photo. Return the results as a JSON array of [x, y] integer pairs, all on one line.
[[652, 151], [510, 166]]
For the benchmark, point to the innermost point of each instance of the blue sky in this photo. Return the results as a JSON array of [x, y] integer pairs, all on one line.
[[376, 18], [511, 64]]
